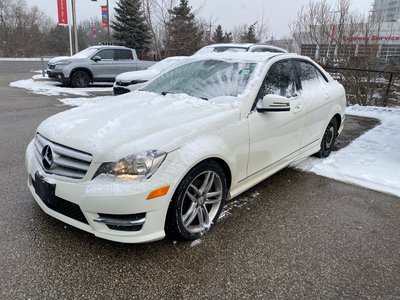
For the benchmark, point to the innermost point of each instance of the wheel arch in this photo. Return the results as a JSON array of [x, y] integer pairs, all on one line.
[[82, 69]]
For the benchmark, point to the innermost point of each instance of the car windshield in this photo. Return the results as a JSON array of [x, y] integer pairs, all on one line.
[[204, 79], [85, 53]]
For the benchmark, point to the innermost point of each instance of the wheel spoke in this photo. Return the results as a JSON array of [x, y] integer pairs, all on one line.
[[213, 201], [210, 183], [195, 189], [200, 216], [192, 216], [213, 194], [191, 197], [206, 216], [205, 183]]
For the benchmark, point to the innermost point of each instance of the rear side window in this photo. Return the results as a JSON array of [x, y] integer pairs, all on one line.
[[124, 55], [308, 73], [106, 54]]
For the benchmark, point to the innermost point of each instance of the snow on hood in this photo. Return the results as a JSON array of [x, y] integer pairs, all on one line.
[[58, 58], [136, 122], [137, 75]]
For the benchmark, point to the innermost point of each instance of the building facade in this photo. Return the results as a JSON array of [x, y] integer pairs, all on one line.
[[385, 11]]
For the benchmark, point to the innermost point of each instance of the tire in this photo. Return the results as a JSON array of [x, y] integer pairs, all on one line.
[[328, 140], [80, 79], [192, 213]]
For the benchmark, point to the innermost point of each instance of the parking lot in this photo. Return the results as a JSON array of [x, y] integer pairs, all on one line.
[[295, 235]]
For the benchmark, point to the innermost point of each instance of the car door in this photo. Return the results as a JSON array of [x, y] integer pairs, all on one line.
[[104, 69], [275, 136], [317, 101], [125, 61]]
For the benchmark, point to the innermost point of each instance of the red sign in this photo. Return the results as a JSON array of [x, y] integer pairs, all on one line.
[[104, 16], [62, 12]]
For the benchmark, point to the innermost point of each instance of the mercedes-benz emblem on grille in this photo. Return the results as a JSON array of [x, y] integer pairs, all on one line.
[[47, 157]]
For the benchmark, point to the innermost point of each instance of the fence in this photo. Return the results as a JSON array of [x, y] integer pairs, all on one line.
[[369, 87]]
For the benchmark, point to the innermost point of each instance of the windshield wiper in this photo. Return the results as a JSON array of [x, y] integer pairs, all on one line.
[[166, 93]]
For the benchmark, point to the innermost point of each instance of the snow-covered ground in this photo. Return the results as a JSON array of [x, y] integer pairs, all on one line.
[[372, 160], [54, 88]]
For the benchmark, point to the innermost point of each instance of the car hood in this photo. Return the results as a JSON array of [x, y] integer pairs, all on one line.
[[119, 126], [58, 58], [137, 75]]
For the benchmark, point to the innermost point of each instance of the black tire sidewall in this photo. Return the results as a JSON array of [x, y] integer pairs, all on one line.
[[73, 79], [324, 152], [173, 226]]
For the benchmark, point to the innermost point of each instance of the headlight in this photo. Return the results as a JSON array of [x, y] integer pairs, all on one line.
[[60, 65], [141, 165]]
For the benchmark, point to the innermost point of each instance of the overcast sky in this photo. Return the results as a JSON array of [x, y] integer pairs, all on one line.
[[228, 13]]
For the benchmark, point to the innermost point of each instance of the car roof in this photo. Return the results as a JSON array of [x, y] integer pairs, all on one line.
[[232, 45], [256, 57], [110, 47]]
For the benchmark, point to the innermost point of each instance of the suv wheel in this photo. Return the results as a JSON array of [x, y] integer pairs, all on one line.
[[197, 202], [80, 79]]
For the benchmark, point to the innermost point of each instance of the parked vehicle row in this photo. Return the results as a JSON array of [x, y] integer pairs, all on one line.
[[104, 63], [164, 158]]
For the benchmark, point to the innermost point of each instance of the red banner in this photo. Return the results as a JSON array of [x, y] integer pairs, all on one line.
[[104, 16], [62, 12]]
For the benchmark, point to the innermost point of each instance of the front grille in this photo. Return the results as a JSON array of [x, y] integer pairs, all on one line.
[[120, 83], [65, 207], [61, 160], [120, 90]]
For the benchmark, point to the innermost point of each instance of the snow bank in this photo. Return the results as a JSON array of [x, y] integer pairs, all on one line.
[[372, 160], [54, 88], [81, 101]]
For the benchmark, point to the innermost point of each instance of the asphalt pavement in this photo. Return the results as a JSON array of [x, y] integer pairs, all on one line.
[[296, 235]]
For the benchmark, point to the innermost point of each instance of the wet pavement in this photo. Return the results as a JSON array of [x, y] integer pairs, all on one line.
[[294, 236]]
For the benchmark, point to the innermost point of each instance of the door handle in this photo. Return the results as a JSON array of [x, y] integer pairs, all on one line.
[[298, 108]]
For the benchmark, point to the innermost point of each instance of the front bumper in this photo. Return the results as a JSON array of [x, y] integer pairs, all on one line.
[[59, 76], [86, 204]]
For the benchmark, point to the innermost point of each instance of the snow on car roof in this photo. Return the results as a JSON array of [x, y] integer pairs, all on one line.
[[233, 45], [256, 57]]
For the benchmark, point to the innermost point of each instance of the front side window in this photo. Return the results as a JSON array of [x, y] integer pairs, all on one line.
[[205, 79], [280, 80], [106, 54]]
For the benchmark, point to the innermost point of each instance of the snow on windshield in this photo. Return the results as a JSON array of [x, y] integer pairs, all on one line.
[[85, 53], [204, 79]]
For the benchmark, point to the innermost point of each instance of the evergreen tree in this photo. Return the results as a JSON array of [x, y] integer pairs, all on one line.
[[228, 37], [218, 35], [130, 27], [184, 35], [250, 35]]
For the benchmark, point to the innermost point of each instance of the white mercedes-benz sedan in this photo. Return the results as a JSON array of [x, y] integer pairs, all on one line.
[[163, 159]]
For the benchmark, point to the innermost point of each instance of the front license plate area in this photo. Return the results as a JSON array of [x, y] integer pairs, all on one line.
[[46, 191]]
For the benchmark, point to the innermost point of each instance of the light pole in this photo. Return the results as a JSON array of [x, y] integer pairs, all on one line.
[[74, 26]]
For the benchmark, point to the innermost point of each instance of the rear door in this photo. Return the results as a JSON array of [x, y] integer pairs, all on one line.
[[104, 69], [317, 101], [275, 136], [125, 61]]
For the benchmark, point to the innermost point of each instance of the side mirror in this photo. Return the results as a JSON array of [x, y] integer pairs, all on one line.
[[273, 103], [96, 58]]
